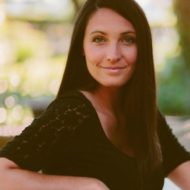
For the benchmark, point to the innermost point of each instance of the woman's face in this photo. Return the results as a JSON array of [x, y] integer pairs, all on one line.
[[110, 48]]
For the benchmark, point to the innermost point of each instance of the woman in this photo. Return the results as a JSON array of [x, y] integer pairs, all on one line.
[[103, 131]]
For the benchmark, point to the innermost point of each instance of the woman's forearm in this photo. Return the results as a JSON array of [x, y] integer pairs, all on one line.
[[181, 175], [14, 178]]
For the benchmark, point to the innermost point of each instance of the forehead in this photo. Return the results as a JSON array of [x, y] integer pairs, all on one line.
[[105, 19]]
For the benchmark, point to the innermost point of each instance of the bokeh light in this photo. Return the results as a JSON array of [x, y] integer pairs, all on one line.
[[10, 101], [3, 115], [3, 86]]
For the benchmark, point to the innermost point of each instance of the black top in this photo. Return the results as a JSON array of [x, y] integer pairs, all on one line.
[[68, 139]]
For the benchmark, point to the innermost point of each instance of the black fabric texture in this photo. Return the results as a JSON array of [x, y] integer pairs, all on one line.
[[67, 139]]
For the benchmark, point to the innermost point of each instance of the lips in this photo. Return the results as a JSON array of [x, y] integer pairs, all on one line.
[[113, 68]]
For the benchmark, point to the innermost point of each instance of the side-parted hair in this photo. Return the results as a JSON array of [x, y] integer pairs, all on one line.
[[139, 94]]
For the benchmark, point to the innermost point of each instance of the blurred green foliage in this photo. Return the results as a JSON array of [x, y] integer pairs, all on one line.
[[174, 87], [23, 53]]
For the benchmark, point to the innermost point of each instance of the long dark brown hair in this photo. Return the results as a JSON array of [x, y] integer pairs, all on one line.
[[139, 94]]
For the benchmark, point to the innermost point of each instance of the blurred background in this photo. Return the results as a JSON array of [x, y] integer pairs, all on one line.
[[34, 41]]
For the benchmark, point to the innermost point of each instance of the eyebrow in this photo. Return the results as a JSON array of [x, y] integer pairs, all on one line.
[[104, 33]]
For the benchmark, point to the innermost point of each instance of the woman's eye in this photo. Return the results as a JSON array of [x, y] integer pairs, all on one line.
[[98, 39], [129, 40]]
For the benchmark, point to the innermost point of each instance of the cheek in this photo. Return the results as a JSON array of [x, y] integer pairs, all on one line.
[[131, 55], [93, 55], [134, 55]]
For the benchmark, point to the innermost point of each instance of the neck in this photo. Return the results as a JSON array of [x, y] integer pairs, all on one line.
[[107, 98]]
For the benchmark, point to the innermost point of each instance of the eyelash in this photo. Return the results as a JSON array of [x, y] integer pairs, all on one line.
[[127, 40], [99, 38]]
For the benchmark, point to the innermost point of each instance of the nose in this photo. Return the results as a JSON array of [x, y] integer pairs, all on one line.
[[113, 53]]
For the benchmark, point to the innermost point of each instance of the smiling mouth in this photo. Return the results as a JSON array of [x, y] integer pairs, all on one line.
[[113, 68]]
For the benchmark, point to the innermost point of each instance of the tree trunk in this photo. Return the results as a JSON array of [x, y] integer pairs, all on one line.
[[77, 6], [182, 10]]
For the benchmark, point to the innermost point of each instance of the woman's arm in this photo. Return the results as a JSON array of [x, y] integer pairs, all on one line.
[[181, 175], [14, 178]]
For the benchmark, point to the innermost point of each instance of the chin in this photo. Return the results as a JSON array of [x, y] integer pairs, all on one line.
[[114, 84]]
